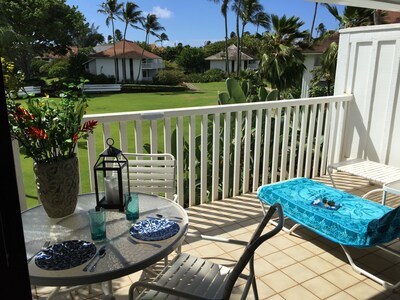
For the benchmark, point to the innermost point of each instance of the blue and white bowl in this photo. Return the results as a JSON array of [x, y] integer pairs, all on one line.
[[154, 229]]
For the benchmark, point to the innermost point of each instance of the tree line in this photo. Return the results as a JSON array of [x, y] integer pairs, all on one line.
[[32, 28]]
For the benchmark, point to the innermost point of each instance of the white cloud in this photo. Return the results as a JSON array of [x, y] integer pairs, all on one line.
[[162, 13]]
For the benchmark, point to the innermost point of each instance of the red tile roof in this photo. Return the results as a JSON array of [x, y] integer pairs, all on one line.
[[71, 49], [321, 45], [392, 17], [132, 50]]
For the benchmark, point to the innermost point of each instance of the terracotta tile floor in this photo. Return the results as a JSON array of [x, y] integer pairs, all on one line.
[[298, 266]]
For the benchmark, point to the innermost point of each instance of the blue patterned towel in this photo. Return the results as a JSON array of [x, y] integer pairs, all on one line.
[[358, 222]]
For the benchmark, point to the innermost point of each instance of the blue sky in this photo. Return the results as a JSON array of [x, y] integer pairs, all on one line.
[[194, 22]]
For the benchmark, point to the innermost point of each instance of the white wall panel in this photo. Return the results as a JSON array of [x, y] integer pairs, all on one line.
[[394, 145], [380, 100], [368, 68]]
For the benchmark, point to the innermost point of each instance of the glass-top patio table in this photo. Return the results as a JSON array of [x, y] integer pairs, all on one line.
[[122, 256]]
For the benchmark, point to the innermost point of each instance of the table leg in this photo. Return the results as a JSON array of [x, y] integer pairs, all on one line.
[[384, 197], [106, 286]]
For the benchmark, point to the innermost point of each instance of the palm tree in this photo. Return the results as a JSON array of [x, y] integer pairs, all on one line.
[[328, 64], [352, 16], [224, 11], [118, 35], [112, 8], [262, 19], [130, 16], [151, 26], [163, 37], [248, 12], [321, 29], [282, 62]]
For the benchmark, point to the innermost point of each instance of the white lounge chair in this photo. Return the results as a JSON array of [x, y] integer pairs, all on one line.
[[348, 220], [375, 172]]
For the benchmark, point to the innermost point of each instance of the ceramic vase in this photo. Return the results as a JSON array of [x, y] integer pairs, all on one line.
[[58, 186]]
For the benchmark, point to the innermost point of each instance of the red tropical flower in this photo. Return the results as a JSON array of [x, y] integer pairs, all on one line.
[[37, 133]]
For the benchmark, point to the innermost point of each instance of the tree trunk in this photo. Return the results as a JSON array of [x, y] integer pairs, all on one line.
[[226, 46], [313, 20], [141, 56], [238, 40], [123, 57], [115, 56], [377, 17]]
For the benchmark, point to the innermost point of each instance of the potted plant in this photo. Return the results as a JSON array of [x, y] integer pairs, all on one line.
[[48, 131]]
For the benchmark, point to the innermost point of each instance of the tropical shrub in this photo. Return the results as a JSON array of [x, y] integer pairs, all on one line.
[[36, 66], [291, 93], [213, 75], [58, 69], [195, 77], [191, 59], [169, 77], [44, 69], [76, 63], [101, 78], [241, 92]]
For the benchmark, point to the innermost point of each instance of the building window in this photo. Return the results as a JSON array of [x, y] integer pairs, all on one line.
[[317, 61]]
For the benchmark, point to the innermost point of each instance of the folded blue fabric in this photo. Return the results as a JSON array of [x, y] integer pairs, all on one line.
[[385, 229], [358, 222]]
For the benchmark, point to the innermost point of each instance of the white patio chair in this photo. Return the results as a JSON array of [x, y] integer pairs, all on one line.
[[192, 277], [153, 174]]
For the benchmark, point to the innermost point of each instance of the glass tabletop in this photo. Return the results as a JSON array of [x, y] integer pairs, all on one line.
[[122, 257]]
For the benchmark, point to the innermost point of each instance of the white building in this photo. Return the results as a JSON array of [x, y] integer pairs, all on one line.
[[218, 60], [312, 60], [102, 62]]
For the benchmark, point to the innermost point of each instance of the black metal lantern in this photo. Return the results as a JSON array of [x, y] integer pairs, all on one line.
[[111, 178]]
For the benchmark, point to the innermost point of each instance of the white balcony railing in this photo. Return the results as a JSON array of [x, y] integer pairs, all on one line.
[[226, 150]]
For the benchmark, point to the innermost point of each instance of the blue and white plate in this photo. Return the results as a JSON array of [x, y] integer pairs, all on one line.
[[154, 229], [65, 255]]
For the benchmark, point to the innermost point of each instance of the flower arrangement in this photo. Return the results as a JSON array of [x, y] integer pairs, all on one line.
[[48, 130]]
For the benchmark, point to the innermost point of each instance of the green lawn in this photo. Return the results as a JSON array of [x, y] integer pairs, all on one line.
[[207, 94]]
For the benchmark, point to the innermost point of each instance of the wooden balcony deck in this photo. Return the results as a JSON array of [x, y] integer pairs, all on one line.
[[299, 266]]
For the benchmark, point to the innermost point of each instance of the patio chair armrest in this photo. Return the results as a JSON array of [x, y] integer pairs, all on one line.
[[372, 192], [176, 197], [162, 289], [217, 239]]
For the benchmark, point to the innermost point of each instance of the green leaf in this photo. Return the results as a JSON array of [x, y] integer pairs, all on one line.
[[262, 94], [235, 91], [223, 98], [273, 95]]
